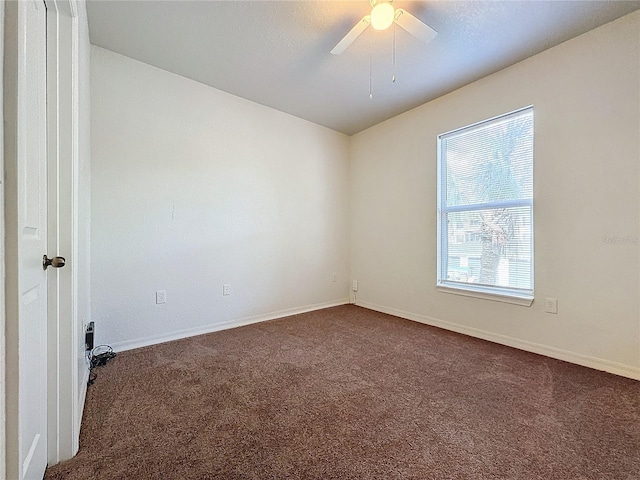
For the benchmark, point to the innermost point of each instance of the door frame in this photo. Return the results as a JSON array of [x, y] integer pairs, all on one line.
[[66, 391], [63, 347]]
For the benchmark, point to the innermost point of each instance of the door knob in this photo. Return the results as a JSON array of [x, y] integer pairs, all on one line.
[[55, 262]]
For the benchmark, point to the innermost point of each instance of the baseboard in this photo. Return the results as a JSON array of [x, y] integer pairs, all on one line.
[[216, 327], [553, 352]]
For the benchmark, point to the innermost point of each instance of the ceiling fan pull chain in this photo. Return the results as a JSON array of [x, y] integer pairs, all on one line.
[[370, 48], [393, 58]]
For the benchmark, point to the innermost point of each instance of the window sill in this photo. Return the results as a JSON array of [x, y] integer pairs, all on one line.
[[523, 300]]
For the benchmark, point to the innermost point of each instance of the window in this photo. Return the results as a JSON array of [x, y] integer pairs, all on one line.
[[485, 209]]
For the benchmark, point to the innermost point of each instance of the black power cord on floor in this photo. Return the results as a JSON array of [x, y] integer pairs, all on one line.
[[98, 357]]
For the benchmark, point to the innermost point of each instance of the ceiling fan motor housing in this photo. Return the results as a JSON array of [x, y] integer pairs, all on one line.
[[382, 14]]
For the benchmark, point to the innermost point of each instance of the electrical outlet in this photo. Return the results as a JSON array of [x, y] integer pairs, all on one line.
[[161, 297], [551, 305], [335, 276], [354, 285], [226, 289], [88, 336]]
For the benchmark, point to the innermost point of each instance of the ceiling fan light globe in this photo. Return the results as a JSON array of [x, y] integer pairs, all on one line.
[[382, 16]]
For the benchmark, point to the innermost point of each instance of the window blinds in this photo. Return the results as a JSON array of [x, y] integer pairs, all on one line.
[[485, 200]]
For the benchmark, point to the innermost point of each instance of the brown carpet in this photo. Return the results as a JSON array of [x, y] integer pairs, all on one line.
[[348, 393]]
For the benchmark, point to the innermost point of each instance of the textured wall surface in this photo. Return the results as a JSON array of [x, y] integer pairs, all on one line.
[[193, 188], [586, 200]]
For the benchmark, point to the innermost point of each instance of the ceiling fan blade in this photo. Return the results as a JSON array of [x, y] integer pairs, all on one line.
[[350, 37], [414, 26]]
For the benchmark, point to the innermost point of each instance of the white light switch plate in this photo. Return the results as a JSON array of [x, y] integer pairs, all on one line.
[[551, 305]]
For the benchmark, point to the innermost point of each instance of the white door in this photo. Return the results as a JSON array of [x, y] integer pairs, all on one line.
[[32, 240]]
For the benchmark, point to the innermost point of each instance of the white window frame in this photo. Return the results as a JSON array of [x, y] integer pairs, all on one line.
[[488, 292]]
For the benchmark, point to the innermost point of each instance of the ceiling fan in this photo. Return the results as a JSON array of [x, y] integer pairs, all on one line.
[[382, 16]]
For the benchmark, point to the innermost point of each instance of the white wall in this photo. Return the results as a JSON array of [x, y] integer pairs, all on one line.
[[587, 150], [193, 188]]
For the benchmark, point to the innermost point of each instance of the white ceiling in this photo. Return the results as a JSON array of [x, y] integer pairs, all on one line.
[[276, 53]]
